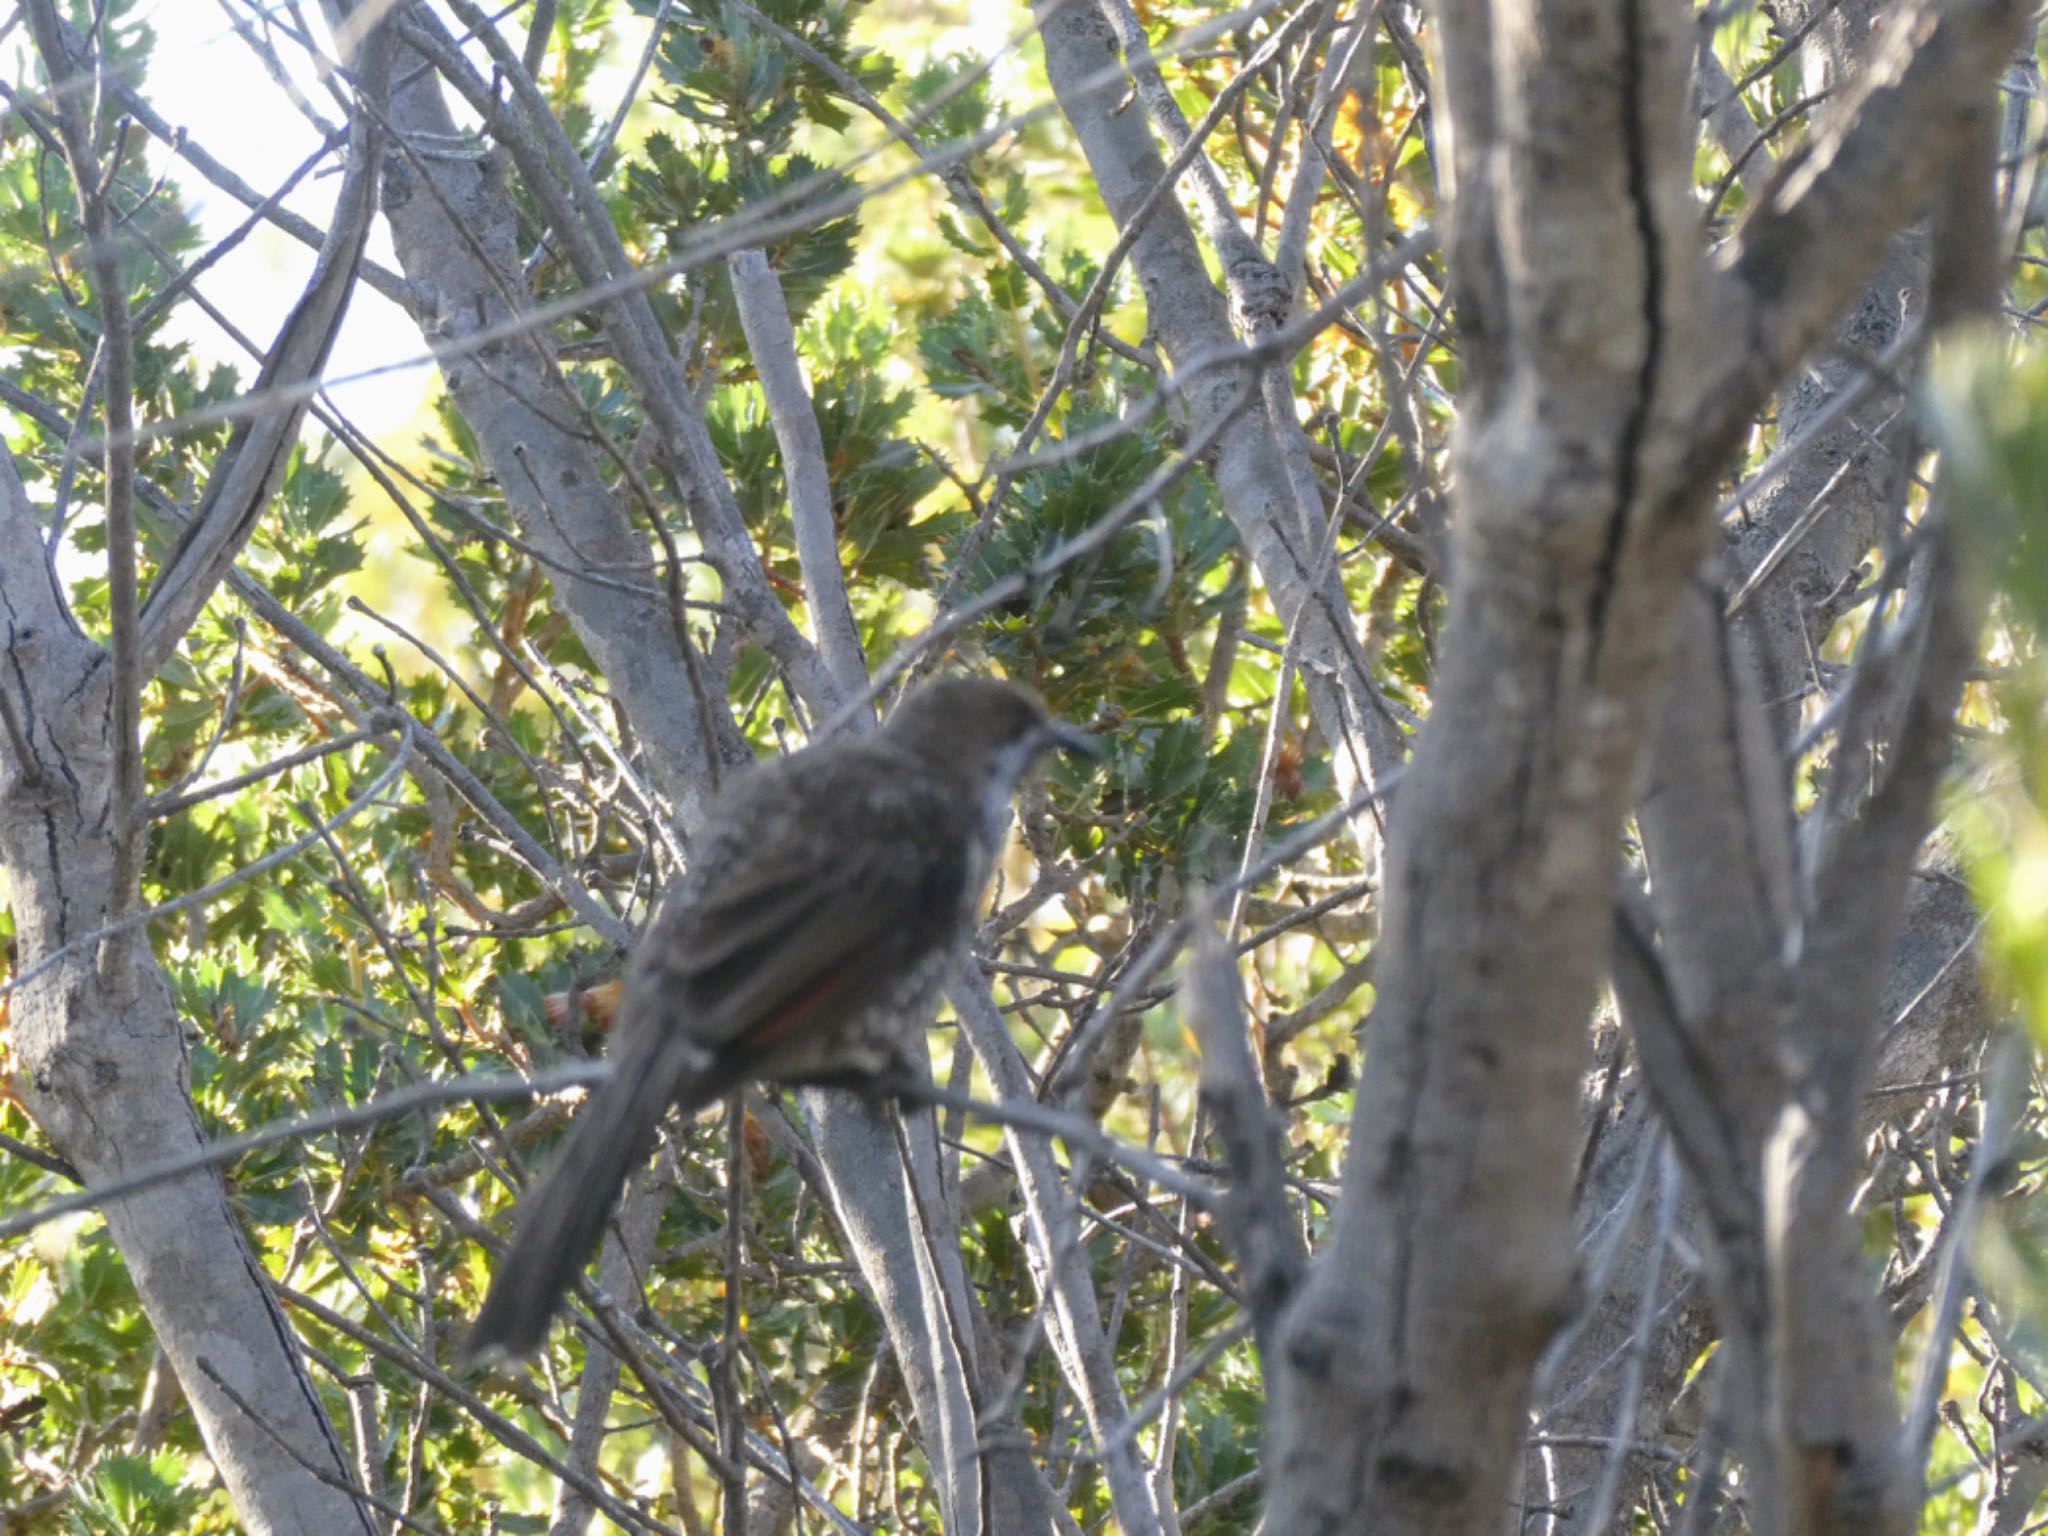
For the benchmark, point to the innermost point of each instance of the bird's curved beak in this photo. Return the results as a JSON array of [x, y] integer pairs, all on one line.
[[1062, 737]]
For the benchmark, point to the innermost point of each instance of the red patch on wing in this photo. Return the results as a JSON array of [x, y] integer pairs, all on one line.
[[800, 1007]]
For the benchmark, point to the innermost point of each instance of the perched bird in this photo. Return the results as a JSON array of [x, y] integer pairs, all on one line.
[[805, 944]]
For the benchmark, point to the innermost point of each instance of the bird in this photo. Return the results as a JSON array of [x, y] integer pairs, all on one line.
[[805, 943]]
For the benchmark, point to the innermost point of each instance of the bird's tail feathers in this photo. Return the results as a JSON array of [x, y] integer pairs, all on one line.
[[562, 1216]]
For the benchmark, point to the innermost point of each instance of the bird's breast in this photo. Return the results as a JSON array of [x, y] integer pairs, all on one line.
[[991, 830]]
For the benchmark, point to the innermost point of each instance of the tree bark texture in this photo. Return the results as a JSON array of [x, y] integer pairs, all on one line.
[[1612, 362], [102, 1067]]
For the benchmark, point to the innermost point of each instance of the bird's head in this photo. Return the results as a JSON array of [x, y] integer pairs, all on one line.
[[986, 730]]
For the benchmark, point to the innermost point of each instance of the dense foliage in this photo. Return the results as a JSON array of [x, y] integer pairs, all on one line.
[[403, 938]]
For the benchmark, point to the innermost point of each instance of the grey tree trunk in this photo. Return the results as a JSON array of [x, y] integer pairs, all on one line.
[[1592, 435], [102, 1054], [100, 1045]]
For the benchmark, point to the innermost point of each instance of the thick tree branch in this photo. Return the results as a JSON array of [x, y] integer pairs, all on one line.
[[559, 182], [454, 227], [1073, 1315], [102, 1068], [1399, 1394], [1868, 169], [250, 469], [1191, 318], [1256, 1214], [71, 92], [764, 317]]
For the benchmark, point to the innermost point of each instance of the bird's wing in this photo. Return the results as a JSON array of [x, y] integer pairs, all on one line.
[[805, 920]]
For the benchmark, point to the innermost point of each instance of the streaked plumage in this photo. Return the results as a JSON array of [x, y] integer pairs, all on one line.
[[804, 945]]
